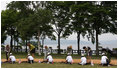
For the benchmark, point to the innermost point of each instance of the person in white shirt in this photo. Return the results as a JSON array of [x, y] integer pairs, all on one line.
[[104, 60], [49, 58], [46, 53], [12, 58], [30, 59], [69, 59], [83, 60]]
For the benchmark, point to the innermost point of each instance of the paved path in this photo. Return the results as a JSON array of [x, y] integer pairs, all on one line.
[[95, 61]]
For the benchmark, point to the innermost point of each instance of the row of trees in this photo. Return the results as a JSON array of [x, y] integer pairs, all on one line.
[[41, 19]]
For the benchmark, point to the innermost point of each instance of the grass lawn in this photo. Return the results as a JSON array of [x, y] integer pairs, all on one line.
[[55, 65], [45, 65], [55, 56]]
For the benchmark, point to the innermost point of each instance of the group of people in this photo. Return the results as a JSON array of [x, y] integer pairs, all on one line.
[[104, 59], [85, 57], [69, 59], [11, 58]]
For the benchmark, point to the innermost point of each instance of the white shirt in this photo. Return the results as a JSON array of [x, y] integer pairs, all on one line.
[[69, 59], [50, 59], [12, 58], [30, 58], [83, 60], [103, 59]]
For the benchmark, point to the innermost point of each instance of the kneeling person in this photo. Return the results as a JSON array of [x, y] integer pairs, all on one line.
[[30, 59], [83, 60], [104, 60], [69, 59], [49, 58], [12, 58]]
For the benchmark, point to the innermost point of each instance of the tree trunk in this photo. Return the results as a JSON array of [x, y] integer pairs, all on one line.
[[14, 41], [39, 42], [78, 42], [11, 43], [17, 41], [42, 44], [17, 45], [59, 44], [14, 44], [97, 52], [26, 46]]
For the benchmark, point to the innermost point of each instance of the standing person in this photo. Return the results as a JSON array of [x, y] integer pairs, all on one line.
[[89, 55], [49, 58], [109, 53], [86, 50], [45, 53], [32, 48], [83, 60], [7, 50], [12, 58], [69, 49], [30, 59], [69, 59], [104, 60]]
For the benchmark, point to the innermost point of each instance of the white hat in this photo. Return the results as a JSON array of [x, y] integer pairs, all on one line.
[[82, 54], [48, 53], [10, 53], [28, 54], [68, 54], [103, 53]]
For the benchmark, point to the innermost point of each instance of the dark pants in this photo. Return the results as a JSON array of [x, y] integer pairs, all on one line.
[[106, 63], [30, 61], [68, 62], [12, 61], [32, 51], [7, 55]]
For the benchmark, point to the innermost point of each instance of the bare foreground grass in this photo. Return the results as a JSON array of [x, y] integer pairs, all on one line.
[[55, 65]]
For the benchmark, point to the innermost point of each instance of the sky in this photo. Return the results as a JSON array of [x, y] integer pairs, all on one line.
[[103, 37]]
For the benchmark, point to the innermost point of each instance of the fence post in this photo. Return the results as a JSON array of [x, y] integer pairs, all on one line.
[[72, 51]]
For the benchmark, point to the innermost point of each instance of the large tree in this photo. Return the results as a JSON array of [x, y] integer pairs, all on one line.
[[9, 18], [24, 9], [35, 19], [60, 11], [102, 20], [79, 22]]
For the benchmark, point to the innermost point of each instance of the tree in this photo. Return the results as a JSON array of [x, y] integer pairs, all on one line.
[[24, 9], [9, 17], [101, 20], [79, 23], [3, 31], [60, 12], [41, 21], [79, 20], [112, 11], [37, 18]]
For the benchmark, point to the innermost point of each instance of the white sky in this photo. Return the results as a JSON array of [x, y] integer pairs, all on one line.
[[102, 37]]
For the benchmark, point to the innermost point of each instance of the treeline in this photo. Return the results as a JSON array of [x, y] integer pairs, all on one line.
[[41, 19]]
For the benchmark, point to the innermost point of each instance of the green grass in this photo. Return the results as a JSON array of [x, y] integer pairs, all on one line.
[[45, 65], [55, 65], [55, 56]]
